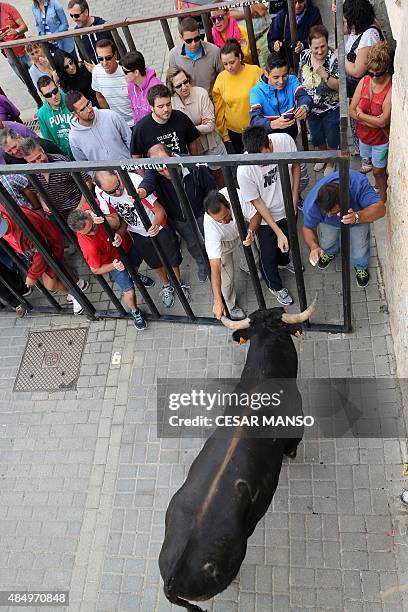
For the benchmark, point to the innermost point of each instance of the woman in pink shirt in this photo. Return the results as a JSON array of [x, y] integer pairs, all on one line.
[[139, 79]]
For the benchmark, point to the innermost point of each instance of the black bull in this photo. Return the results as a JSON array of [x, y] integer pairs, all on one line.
[[231, 483]]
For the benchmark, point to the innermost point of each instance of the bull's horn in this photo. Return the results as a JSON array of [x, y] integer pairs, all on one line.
[[301, 317], [244, 324]]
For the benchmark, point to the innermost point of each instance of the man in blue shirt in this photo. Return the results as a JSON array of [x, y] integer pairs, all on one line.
[[321, 210]]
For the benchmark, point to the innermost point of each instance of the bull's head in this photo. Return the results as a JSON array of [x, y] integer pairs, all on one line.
[[273, 319]]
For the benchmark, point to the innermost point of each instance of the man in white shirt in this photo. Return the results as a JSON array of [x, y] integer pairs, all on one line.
[[111, 193], [109, 83], [261, 190], [221, 238]]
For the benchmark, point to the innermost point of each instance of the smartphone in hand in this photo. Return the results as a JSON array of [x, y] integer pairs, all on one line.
[[289, 116]]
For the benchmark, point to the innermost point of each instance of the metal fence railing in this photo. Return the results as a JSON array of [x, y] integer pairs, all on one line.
[[227, 162]]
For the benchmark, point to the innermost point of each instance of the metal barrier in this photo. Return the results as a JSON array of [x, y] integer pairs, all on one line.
[[227, 163]]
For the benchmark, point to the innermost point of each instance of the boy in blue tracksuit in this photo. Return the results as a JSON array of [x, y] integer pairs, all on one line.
[[279, 100]]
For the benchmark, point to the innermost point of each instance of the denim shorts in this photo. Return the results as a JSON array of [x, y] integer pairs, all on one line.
[[377, 153], [123, 279], [325, 128]]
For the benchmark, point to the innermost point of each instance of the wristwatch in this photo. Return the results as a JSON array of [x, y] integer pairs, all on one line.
[[356, 217]]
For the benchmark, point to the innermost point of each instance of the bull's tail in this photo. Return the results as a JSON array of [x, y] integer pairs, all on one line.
[[174, 599]]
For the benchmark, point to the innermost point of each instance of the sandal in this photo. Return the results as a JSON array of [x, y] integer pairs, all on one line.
[[365, 168]]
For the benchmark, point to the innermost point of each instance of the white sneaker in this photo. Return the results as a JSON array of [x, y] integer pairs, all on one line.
[[76, 306], [283, 296], [319, 166], [83, 285]]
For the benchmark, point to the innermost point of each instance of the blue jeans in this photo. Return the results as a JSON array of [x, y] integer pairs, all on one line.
[[123, 279], [24, 59], [359, 242], [325, 128]]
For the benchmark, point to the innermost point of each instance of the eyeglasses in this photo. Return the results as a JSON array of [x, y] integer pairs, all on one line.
[[51, 93], [107, 58], [376, 74], [87, 106], [180, 85], [112, 191], [217, 18], [68, 64], [188, 41], [76, 15]]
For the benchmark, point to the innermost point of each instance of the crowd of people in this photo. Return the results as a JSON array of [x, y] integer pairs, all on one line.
[[213, 101]]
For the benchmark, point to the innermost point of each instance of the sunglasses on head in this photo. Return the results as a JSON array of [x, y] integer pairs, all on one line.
[[76, 15], [191, 40], [217, 18], [180, 85], [127, 70], [376, 74], [69, 63], [107, 58], [51, 93]]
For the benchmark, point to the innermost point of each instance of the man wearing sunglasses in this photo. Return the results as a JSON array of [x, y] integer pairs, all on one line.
[[79, 13], [108, 80], [54, 116], [200, 59]]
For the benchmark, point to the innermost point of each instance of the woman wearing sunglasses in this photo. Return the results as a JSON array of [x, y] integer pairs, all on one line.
[[196, 104], [279, 38], [140, 79], [371, 109], [225, 27], [74, 76]]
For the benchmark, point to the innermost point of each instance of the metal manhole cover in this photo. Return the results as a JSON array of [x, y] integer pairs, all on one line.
[[51, 360]]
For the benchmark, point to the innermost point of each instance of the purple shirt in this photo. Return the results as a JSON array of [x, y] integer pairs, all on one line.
[[21, 129], [7, 109]]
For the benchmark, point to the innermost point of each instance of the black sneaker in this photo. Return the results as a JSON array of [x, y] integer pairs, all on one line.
[[138, 320], [362, 277], [324, 261], [146, 281]]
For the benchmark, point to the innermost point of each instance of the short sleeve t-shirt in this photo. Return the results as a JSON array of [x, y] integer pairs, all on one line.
[[8, 17], [97, 249], [362, 195], [115, 90], [176, 134], [369, 38], [264, 181], [125, 207]]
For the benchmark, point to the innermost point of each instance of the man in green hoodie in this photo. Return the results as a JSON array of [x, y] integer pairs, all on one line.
[[54, 116]]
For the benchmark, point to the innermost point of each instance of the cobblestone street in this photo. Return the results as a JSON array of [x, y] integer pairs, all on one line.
[[85, 481]]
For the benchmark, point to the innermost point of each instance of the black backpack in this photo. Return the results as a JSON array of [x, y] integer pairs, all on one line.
[[351, 81]]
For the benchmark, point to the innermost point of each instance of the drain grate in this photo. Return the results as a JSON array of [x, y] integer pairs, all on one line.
[[51, 360]]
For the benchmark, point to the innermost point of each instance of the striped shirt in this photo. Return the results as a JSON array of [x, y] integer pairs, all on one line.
[[15, 184], [61, 187], [115, 90]]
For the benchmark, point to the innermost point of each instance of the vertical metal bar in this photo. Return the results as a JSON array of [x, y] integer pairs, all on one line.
[[129, 38], [239, 218], [10, 289], [344, 116], [45, 46], [293, 237], [25, 76], [59, 268], [119, 43], [251, 35], [24, 268], [81, 48], [303, 131], [187, 210], [344, 188], [90, 198], [161, 253], [35, 182], [207, 27], [293, 33], [167, 34]]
